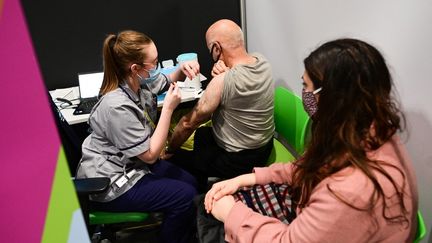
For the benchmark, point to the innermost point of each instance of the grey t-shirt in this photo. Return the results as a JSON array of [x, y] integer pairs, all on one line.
[[120, 132], [244, 118]]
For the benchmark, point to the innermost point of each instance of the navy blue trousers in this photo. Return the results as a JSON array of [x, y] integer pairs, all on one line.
[[167, 189]]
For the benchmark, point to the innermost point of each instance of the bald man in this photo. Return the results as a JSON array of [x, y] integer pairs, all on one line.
[[239, 101]]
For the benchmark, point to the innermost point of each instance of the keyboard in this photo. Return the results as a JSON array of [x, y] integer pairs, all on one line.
[[85, 106]]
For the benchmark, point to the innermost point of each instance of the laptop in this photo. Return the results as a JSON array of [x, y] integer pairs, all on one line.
[[89, 86]]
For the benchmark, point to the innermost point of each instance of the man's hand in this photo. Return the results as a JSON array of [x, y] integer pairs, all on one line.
[[218, 68], [165, 155]]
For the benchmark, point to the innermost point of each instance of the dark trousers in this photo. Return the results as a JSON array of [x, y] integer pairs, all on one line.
[[209, 160], [167, 189]]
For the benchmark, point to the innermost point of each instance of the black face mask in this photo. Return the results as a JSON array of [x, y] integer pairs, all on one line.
[[211, 52]]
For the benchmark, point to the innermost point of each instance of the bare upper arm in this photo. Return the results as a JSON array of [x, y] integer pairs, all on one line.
[[211, 98], [208, 102]]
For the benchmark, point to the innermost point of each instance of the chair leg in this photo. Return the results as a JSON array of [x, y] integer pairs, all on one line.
[[83, 200], [103, 235]]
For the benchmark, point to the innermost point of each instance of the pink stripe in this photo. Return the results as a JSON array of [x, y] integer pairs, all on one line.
[[29, 142]]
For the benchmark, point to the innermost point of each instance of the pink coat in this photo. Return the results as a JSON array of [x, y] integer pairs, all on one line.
[[326, 218]]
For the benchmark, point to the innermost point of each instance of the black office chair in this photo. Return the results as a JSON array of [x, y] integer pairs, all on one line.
[[101, 226]]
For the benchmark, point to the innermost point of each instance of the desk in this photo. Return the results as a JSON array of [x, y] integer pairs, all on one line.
[[72, 94]]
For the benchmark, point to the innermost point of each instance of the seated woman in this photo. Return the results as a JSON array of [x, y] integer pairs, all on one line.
[[355, 183], [125, 143]]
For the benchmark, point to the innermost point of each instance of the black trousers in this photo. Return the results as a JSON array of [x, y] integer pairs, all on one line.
[[209, 160]]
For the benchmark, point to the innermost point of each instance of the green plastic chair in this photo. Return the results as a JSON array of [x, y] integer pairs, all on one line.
[[291, 126], [97, 217], [108, 223], [421, 228]]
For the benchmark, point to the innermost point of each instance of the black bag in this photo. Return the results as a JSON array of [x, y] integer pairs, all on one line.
[[209, 229]]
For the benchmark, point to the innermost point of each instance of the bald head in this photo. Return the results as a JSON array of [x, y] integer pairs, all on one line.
[[226, 32]]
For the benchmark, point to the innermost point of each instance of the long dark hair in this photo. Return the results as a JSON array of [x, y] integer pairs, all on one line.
[[356, 114]]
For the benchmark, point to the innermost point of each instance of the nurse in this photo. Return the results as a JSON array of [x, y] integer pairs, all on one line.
[[127, 138]]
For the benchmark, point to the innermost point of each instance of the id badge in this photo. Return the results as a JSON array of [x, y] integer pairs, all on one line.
[[121, 181], [131, 173]]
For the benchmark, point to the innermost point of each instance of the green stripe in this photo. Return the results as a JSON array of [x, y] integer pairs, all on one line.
[[63, 203]]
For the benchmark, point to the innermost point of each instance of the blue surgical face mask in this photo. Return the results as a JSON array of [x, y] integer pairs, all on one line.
[[153, 75]]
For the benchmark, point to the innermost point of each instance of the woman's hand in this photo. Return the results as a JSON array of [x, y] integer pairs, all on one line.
[[227, 187], [172, 97], [222, 207], [190, 68], [219, 190], [218, 68]]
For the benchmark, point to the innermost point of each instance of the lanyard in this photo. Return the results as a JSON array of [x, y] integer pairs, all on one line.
[[152, 124], [147, 116]]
